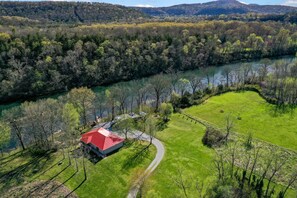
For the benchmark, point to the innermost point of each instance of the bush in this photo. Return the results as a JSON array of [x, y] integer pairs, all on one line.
[[42, 151], [207, 91], [212, 137], [166, 110], [220, 87], [175, 101], [249, 142], [197, 95], [186, 100]]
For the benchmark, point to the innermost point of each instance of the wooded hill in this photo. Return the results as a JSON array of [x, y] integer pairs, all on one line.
[[217, 8], [35, 62], [69, 12]]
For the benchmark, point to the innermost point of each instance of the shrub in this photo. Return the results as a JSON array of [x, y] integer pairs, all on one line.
[[175, 101], [212, 137], [186, 100], [197, 95], [207, 90], [220, 87], [166, 110], [249, 142]]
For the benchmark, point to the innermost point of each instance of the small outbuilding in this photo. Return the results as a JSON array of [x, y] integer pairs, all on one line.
[[101, 141]]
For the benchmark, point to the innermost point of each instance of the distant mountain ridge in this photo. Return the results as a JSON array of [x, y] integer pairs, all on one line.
[[68, 12], [216, 8]]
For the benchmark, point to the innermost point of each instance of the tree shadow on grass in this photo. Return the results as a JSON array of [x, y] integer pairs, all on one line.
[[17, 175], [49, 180], [13, 156], [82, 182], [140, 153], [62, 184], [280, 110], [51, 167]]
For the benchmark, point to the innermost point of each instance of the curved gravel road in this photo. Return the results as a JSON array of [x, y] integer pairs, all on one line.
[[159, 156]]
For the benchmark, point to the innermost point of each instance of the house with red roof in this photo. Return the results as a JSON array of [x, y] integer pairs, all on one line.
[[101, 141]]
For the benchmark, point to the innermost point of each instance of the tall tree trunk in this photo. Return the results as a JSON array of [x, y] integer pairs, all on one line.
[[19, 135]]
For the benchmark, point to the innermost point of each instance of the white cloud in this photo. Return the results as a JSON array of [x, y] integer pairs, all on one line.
[[291, 3], [144, 6], [243, 2]]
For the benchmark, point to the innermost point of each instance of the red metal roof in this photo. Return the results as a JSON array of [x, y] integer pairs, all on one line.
[[101, 138]]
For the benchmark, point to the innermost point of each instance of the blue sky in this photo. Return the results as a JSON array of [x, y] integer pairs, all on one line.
[[174, 2]]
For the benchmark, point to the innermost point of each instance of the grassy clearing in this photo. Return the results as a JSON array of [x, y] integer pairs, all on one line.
[[258, 117], [184, 152], [110, 177]]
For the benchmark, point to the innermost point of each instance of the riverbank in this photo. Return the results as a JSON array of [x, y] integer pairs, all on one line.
[[184, 74]]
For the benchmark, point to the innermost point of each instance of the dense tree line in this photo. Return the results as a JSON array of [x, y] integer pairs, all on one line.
[[281, 84], [290, 17], [37, 62], [69, 12], [39, 120], [216, 8], [34, 124], [252, 172]]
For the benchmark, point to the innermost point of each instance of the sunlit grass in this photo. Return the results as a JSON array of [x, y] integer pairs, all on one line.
[[258, 117], [184, 152], [110, 177]]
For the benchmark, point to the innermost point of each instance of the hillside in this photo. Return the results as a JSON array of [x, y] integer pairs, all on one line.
[[217, 8], [70, 12]]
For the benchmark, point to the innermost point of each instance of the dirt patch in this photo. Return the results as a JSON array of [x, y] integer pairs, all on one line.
[[40, 189]]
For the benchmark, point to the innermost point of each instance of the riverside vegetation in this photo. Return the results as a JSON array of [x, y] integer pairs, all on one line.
[[74, 111], [44, 61], [215, 145]]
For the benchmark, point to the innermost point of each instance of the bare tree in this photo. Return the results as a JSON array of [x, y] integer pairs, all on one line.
[[181, 182], [220, 166], [125, 126], [151, 127], [264, 69], [159, 85], [292, 180], [111, 101], [209, 72], [279, 161], [82, 98], [229, 126], [14, 117], [99, 105], [195, 83], [182, 85], [254, 163], [227, 74]]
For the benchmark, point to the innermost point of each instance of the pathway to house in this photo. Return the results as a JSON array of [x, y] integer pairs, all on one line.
[[159, 156]]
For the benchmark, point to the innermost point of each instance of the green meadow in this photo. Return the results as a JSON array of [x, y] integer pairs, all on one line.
[[251, 114], [114, 172], [185, 154]]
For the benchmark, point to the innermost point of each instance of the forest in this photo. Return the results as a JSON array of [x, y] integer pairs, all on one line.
[[69, 12], [36, 125], [35, 62], [208, 89]]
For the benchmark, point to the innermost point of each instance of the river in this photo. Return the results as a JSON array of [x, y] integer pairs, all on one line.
[[217, 77]]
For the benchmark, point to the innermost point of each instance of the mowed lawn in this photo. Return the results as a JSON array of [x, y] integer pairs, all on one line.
[[258, 117], [110, 177], [184, 154]]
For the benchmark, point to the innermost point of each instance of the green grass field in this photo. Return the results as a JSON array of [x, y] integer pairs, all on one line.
[[258, 117], [184, 152], [110, 177]]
